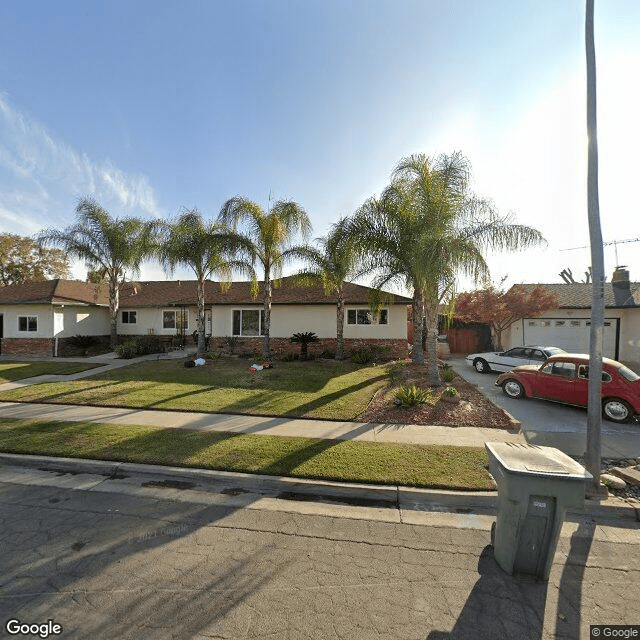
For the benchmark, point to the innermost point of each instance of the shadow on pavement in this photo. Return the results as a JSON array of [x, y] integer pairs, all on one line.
[[499, 607]]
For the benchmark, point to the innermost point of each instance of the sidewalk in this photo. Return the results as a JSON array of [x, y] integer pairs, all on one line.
[[273, 426]]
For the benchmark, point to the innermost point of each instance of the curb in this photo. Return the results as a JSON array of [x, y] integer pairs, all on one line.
[[389, 496]]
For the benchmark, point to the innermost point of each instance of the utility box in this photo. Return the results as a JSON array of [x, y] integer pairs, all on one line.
[[536, 486]]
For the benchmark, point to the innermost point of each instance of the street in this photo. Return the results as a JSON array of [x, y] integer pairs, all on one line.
[[128, 557], [551, 424]]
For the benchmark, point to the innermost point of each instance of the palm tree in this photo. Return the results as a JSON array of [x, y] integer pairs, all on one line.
[[207, 249], [109, 246], [332, 264], [594, 409], [269, 234], [427, 228]]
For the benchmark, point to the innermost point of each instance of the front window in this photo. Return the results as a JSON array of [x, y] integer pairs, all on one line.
[[563, 369], [129, 317], [248, 322], [28, 323], [175, 320], [364, 316], [583, 372]]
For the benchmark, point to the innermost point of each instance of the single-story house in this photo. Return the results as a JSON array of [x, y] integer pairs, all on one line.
[[41, 317], [568, 326]]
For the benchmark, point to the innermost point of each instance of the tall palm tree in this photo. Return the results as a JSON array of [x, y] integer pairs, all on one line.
[[206, 248], [110, 246], [425, 230], [594, 409], [270, 235], [334, 262]]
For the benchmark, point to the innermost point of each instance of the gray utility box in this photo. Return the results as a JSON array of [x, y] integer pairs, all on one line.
[[536, 485]]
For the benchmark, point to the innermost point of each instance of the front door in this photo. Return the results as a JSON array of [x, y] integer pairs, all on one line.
[[557, 381]]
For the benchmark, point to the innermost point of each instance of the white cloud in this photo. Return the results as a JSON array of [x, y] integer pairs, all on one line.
[[41, 178]]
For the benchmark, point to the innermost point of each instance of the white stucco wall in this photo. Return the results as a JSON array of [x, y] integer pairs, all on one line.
[[321, 319], [150, 320], [58, 321]]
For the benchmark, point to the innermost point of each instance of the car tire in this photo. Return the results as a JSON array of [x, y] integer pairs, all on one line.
[[481, 366], [513, 389], [616, 410]]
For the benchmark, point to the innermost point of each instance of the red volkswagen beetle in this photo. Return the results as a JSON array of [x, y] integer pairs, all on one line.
[[565, 378]]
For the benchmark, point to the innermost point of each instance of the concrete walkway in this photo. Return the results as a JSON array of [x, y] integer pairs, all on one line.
[[274, 426]]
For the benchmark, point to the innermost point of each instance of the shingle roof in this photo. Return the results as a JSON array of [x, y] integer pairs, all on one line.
[[184, 292], [578, 295], [51, 291]]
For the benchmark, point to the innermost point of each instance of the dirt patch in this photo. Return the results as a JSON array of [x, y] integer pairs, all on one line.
[[473, 409]]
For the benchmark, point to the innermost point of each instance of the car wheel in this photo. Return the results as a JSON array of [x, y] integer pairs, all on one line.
[[513, 389], [616, 410], [481, 366]]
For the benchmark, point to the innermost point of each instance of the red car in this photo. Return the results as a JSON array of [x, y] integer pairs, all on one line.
[[564, 378]]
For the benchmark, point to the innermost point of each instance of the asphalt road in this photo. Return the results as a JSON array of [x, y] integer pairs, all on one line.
[[135, 557], [554, 425]]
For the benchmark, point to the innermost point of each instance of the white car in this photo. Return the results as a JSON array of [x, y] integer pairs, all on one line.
[[507, 360]]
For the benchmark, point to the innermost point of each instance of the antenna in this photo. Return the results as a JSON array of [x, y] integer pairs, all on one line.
[[615, 244]]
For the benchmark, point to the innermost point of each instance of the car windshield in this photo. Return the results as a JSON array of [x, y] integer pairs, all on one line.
[[625, 372]]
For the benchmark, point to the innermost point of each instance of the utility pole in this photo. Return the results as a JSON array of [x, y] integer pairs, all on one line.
[[594, 408]]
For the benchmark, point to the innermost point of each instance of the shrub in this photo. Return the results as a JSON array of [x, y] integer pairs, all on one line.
[[369, 354], [410, 396], [452, 392], [448, 375], [328, 354], [289, 357], [84, 343], [304, 339], [127, 350], [141, 346]]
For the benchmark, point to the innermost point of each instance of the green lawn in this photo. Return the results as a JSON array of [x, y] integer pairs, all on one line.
[[318, 389], [10, 371], [369, 462]]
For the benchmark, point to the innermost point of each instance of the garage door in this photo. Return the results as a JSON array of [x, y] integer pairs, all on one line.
[[570, 334]]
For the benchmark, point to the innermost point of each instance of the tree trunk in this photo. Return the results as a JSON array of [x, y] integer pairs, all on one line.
[[433, 374], [417, 357], [266, 347], [340, 326], [201, 339], [114, 304], [594, 408]]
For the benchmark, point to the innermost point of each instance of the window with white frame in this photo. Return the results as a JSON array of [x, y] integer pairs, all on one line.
[[129, 317], [173, 319], [364, 316], [248, 322], [28, 324]]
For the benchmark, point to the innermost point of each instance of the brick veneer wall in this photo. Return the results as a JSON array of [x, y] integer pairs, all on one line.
[[281, 346], [27, 346]]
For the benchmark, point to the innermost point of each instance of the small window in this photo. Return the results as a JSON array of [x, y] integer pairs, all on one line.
[[28, 323], [364, 316], [168, 319], [575, 323], [629, 375], [560, 323], [129, 317], [248, 322], [545, 323], [532, 323], [583, 372]]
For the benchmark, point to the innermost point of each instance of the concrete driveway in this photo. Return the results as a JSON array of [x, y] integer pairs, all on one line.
[[551, 424]]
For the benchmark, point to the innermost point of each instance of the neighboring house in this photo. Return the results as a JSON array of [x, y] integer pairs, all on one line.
[[169, 308], [568, 326]]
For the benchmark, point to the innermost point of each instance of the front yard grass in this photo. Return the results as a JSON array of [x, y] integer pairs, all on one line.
[[10, 371], [316, 389], [461, 468]]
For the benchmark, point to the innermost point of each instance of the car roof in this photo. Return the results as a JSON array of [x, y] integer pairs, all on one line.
[[583, 357]]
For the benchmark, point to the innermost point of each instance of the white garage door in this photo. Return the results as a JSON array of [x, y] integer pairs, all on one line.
[[570, 334]]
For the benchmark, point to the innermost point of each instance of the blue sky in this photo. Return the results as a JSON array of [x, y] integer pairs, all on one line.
[[155, 106]]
